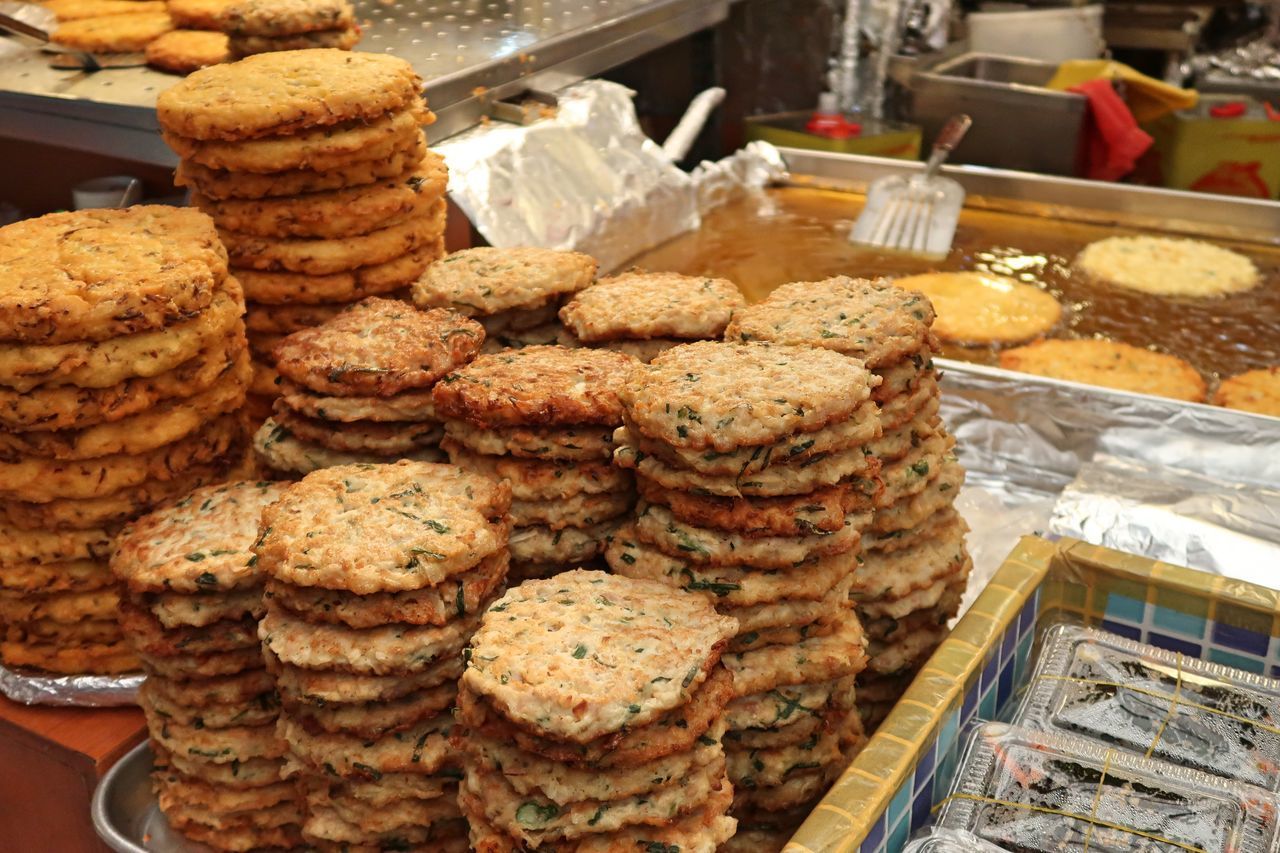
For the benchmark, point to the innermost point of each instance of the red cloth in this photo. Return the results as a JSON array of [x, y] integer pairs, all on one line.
[[1114, 141]]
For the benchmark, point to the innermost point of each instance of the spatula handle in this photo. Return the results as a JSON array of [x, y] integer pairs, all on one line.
[[948, 138]]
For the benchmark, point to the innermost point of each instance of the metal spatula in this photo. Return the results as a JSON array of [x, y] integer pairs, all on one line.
[[917, 214]]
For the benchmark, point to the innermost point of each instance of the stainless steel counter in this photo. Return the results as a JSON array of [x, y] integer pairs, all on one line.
[[469, 52]]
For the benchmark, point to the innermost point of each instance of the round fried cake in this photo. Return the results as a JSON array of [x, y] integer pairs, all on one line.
[[870, 320], [535, 386], [295, 289], [1168, 266], [74, 10], [185, 51], [200, 544], [197, 14], [282, 93], [378, 347], [285, 17], [339, 213], [101, 364], [222, 184], [1110, 364], [485, 281], [980, 308], [1253, 391], [584, 654], [62, 407], [137, 434], [99, 274], [320, 149], [44, 480], [113, 33], [280, 450], [723, 396], [382, 528], [325, 257], [640, 304], [343, 39]]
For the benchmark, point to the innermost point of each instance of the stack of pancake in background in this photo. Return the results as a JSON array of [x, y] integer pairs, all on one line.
[[263, 26], [377, 576], [109, 26], [514, 293], [194, 599], [542, 418], [123, 366], [314, 166], [591, 714], [196, 43], [643, 313], [357, 388], [915, 564], [755, 482]]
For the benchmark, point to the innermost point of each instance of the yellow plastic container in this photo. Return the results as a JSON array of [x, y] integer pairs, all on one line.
[[878, 138], [1231, 156]]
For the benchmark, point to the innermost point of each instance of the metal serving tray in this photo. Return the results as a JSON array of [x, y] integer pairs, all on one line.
[[125, 812], [1017, 122], [1054, 197], [470, 52]]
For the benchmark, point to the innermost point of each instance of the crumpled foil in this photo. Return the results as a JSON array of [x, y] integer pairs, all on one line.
[[81, 691], [587, 179], [1205, 523], [1257, 60], [1189, 484], [755, 165]]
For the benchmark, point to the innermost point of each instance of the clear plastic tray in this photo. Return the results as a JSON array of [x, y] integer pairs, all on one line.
[[1156, 703], [1050, 793]]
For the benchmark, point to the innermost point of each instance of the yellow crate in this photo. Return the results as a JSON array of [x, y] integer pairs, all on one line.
[[891, 788]]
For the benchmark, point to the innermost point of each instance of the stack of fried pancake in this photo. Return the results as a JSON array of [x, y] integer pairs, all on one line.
[[543, 418], [122, 366], [643, 313], [755, 482], [915, 565], [591, 713], [357, 388], [194, 598], [377, 576], [313, 165], [262, 26], [515, 293]]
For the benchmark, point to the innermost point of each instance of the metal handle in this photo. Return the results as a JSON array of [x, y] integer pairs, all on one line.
[[22, 28], [951, 135]]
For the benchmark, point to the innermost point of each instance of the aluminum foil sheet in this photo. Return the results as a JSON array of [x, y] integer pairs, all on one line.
[[997, 519], [1187, 519], [81, 691], [1190, 484], [587, 178]]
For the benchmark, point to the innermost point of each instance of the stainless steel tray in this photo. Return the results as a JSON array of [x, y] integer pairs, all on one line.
[[991, 89], [1050, 196], [470, 52], [125, 812]]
